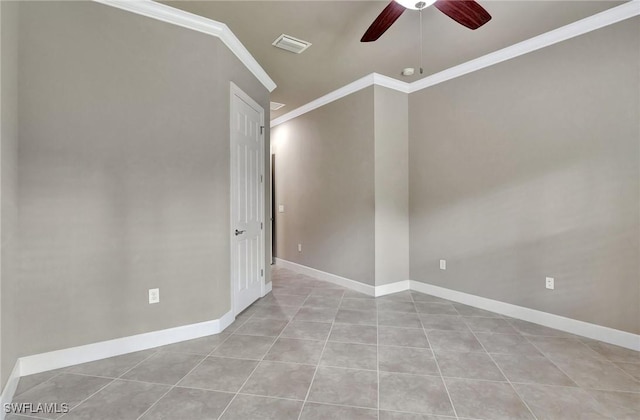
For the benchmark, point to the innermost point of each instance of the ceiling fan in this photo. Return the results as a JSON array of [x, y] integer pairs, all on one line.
[[465, 12]]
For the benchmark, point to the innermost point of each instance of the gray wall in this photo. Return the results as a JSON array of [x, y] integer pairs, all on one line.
[[341, 173], [530, 168], [8, 176], [324, 176], [123, 165], [391, 185]]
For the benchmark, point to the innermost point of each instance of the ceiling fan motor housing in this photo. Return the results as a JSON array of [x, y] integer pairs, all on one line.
[[466, 12], [415, 5]]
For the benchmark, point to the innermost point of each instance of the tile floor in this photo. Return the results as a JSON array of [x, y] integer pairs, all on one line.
[[312, 350]]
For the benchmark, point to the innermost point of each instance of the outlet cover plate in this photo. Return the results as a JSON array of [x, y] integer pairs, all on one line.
[[550, 283], [443, 264], [154, 295]]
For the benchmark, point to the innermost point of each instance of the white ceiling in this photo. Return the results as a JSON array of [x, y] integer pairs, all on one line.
[[337, 57]]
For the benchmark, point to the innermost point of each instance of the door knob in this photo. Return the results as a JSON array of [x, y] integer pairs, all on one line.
[[239, 232]]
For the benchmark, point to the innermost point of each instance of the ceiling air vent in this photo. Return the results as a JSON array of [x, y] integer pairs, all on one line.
[[290, 43], [276, 106]]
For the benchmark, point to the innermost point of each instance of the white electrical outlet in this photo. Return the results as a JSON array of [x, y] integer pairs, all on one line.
[[281, 208], [550, 283], [443, 264], [299, 247], [154, 295]]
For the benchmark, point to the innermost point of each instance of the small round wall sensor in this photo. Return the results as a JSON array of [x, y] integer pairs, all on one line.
[[408, 71]]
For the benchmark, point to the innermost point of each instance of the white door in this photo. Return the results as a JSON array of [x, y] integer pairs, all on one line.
[[247, 200]]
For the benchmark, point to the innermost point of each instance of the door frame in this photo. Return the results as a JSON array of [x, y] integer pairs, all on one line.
[[235, 93], [272, 207]]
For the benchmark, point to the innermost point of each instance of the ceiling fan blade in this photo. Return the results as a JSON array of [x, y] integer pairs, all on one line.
[[385, 19], [465, 12]]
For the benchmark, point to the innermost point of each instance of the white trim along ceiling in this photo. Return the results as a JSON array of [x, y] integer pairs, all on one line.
[[197, 23], [580, 27], [211, 27]]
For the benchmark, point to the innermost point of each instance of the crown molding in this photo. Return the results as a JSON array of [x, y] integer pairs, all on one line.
[[352, 87], [391, 83], [572, 30], [580, 27], [196, 23], [364, 82]]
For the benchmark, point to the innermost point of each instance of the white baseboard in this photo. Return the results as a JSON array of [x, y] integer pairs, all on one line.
[[91, 352], [224, 321], [82, 354], [267, 288], [387, 289], [328, 277], [573, 326], [367, 289], [10, 389]]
